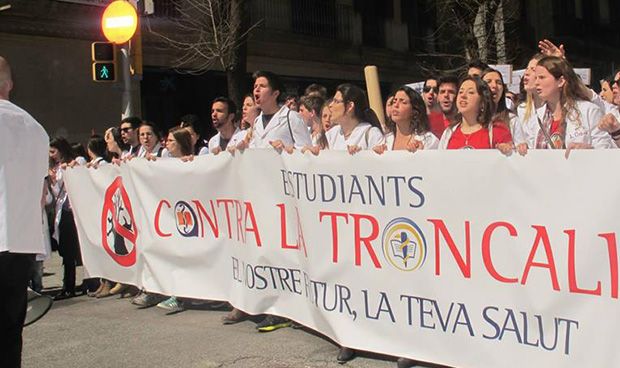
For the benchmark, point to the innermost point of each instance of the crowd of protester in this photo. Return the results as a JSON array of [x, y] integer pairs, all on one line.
[[554, 110]]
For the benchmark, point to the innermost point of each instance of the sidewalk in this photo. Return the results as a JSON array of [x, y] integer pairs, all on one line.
[[110, 332]]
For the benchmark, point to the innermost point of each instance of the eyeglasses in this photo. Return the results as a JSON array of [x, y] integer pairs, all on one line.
[[427, 89], [125, 130]]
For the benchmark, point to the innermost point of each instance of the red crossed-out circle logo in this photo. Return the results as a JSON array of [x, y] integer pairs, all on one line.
[[118, 227]]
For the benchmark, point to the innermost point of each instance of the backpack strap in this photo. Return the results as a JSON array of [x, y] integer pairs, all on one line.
[[288, 121], [366, 134]]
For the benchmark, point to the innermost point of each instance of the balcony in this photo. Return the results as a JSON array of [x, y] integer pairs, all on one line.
[[326, 19]]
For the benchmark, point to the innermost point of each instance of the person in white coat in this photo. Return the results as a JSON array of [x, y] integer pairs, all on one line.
[[408, 126], [524, 124], [567, 119], [277, 126], [21, 233], [357, 125], [358, 129], [223, 115]]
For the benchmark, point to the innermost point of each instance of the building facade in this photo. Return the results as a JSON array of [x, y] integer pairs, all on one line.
[[330, 41]]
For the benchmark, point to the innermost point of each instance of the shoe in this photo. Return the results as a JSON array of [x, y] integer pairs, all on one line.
[[130, 292], [139, 295], [272, 323], [172, 305], [105, 291], [345, 354], [93, 294], [405, 363], [215, 305], [118, 288], [296, 326], [235, 316], [147, 300], [65, 294]]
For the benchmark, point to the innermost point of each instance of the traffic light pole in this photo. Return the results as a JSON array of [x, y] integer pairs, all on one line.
[[127, 99]]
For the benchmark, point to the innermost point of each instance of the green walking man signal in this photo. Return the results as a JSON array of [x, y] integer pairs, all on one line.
[[104, 61]]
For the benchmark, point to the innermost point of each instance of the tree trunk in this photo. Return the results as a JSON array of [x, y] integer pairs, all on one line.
[[500, 34], [480, 32], [236, 72]]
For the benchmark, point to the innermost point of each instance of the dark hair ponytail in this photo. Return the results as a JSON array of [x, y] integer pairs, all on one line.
[[362, 111]]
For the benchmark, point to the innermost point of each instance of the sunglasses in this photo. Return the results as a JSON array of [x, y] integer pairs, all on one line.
[[125, 130], [428, 89]]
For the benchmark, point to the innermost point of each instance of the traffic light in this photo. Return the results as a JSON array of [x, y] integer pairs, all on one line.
[[104, 61]]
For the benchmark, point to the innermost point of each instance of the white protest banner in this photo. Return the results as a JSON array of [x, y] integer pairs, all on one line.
[[585, 74], [505, 70], [463, 258], [416, 86], [516, 80]]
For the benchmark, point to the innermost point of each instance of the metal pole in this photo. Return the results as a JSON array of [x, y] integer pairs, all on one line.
[[127, 101]]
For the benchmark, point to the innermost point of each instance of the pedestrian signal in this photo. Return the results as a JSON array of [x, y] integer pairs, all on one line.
[[104, 61], [104, 72]]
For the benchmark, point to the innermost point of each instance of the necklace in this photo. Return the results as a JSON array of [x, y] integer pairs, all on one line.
[[467, 136]]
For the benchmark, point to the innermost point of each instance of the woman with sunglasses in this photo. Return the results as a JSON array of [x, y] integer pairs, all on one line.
[[474, 128]]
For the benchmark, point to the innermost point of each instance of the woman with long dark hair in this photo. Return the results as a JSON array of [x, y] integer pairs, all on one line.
[[495, 81], [474, 127], [358, 127], [408, 126]]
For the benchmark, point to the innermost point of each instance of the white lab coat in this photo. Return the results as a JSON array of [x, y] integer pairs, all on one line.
[[279, 128], [24, 146], [364, 135], [157, 151], [236, 138], [583, 129], [606, 106], [524, 131], [428, 139]]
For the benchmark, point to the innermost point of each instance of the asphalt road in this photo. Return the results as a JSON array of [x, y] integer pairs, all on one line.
[[87, 332]]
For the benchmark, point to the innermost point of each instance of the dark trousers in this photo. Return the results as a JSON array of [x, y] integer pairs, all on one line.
[[15, 272], [69, 249]]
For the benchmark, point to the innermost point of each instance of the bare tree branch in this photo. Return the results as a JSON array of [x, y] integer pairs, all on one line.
[[470, 29], [205, 33]]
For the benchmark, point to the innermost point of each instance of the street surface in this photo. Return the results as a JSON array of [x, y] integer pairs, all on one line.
[[110, 332]]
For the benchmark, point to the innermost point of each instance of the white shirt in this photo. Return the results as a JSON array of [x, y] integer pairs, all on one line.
[[237, 137], [203, 151], [24, 147], [142, 151], [363, 135], [582, 128], [280, 128], [428, 139]]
